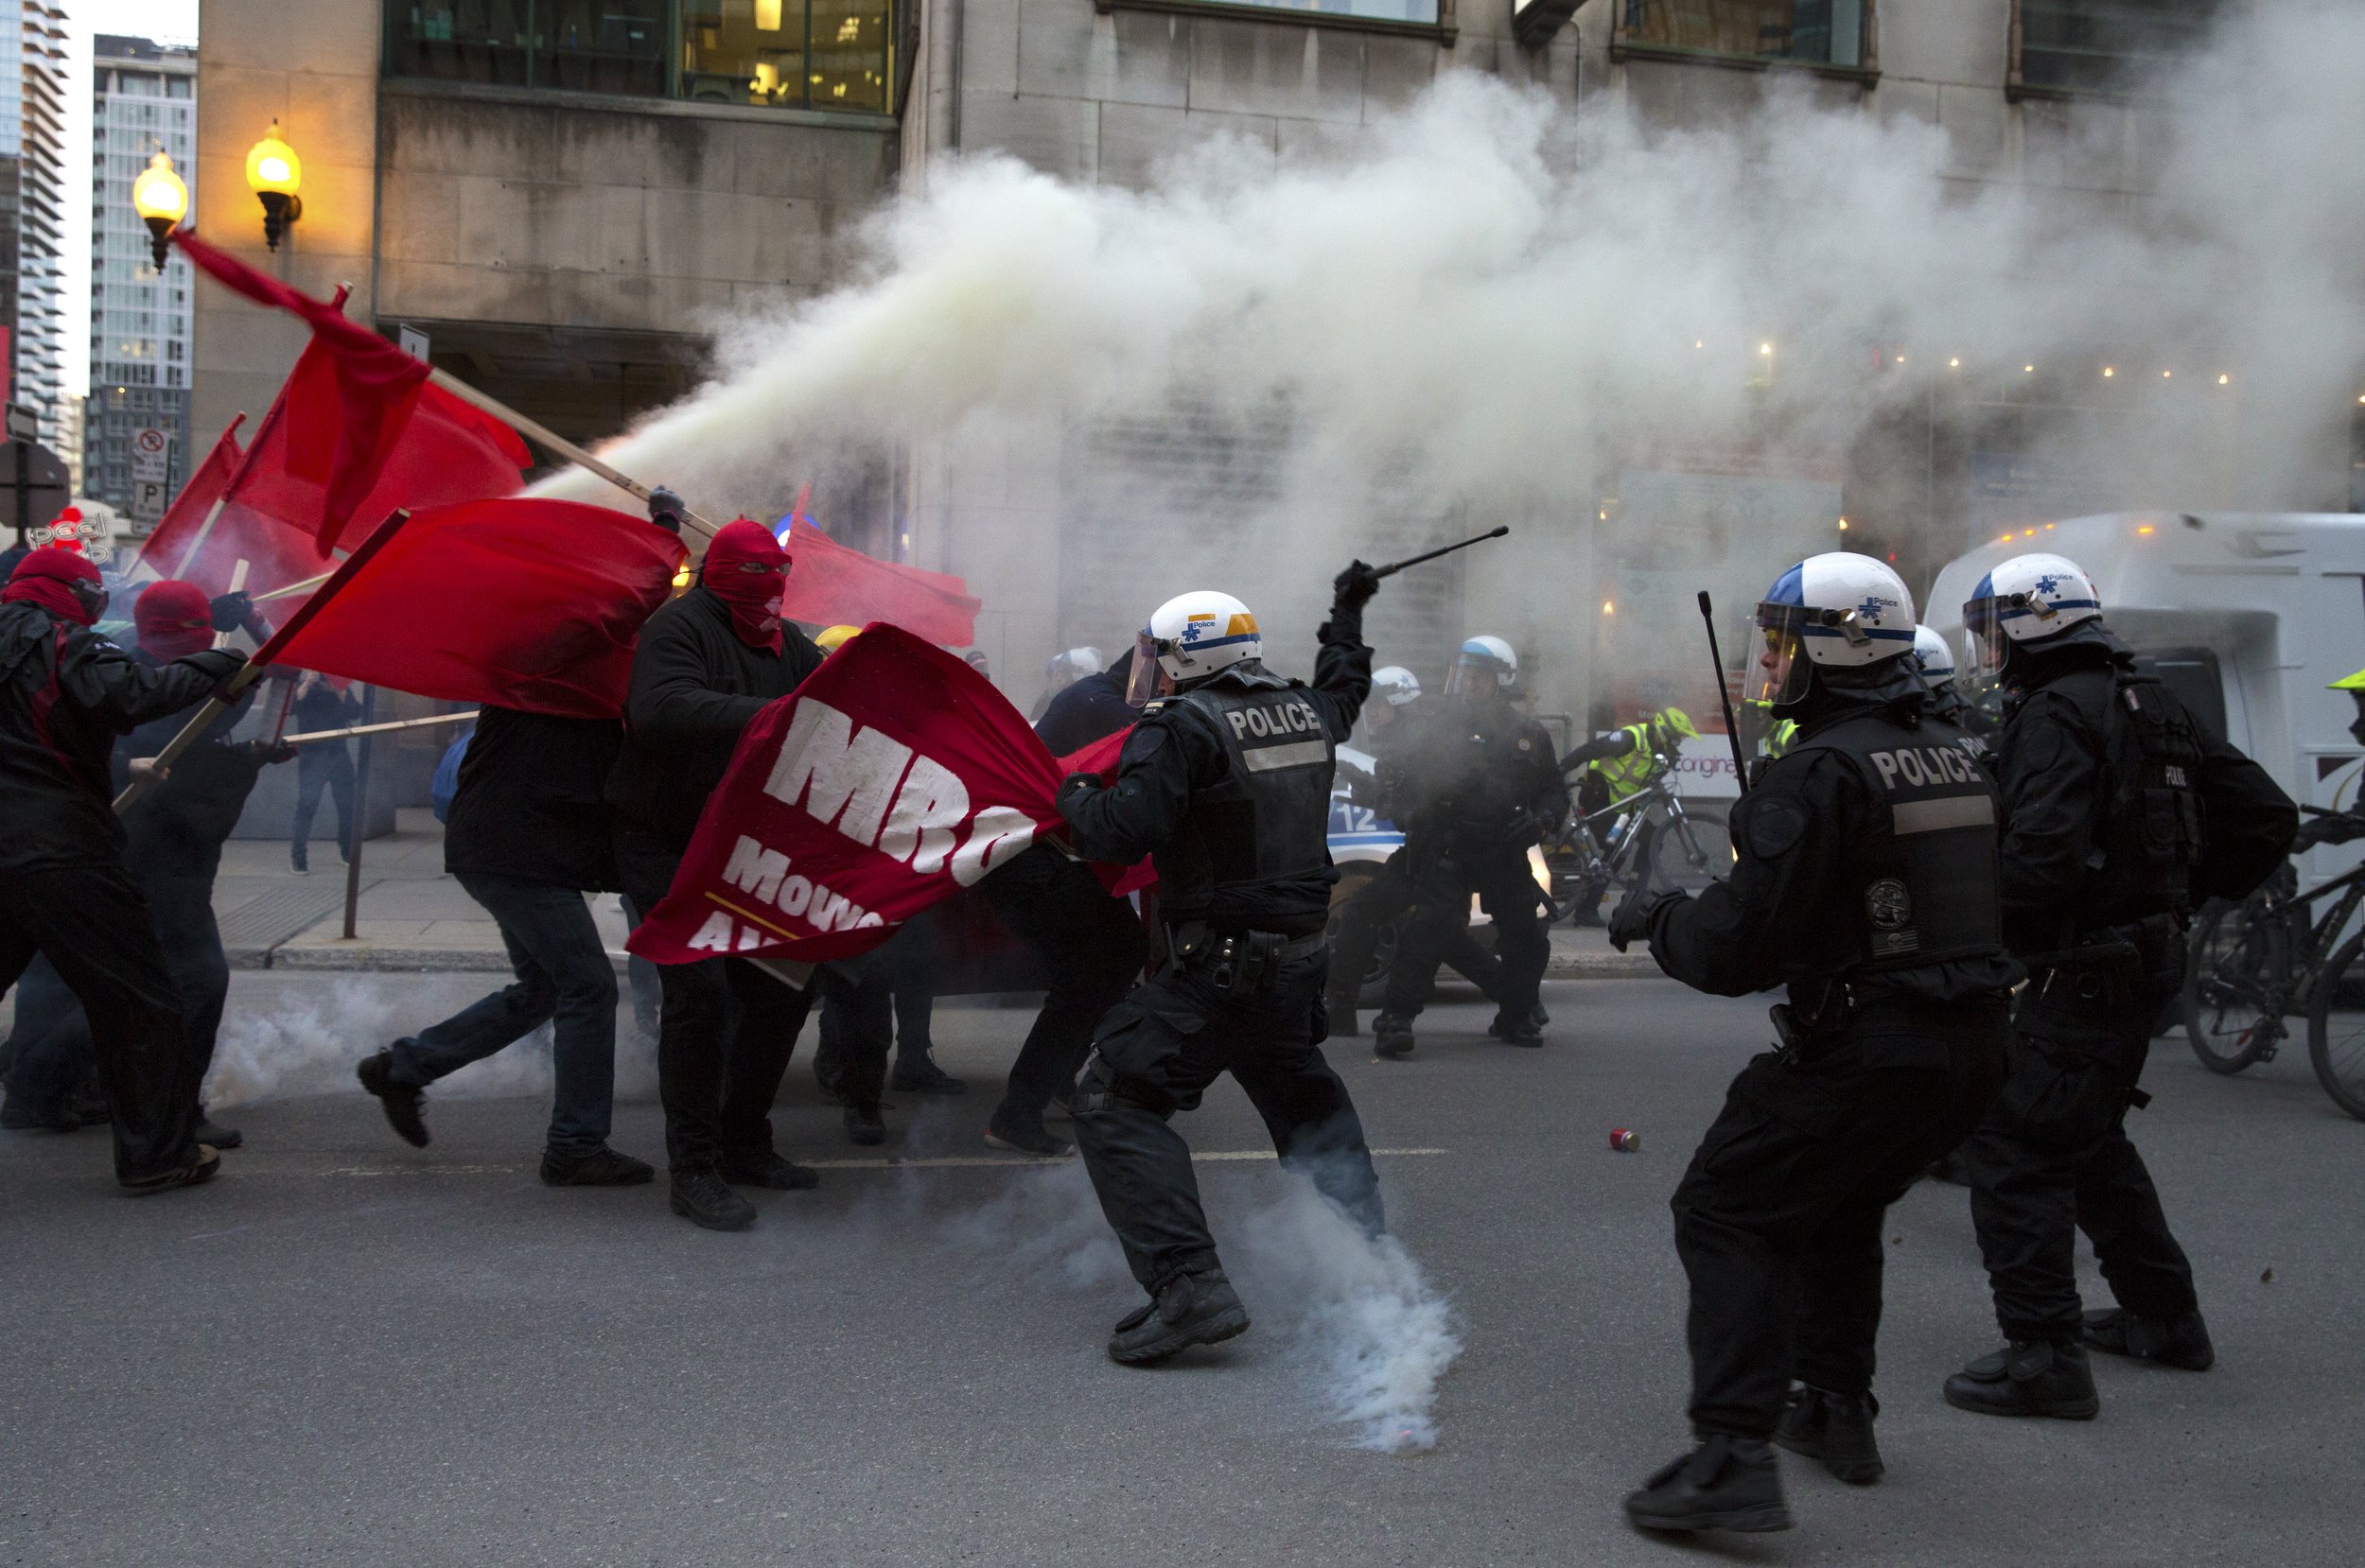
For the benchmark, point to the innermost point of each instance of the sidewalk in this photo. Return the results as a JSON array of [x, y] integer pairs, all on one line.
[[413, 917]]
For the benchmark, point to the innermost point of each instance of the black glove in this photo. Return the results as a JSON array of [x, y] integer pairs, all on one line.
[[1524, 828], [1353, 588], [231, 610], [1075, 788], [218, 665], [1632, 919], [275, 751], [666, 508]]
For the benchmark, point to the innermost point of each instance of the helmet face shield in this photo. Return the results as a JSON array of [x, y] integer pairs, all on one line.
[[1782, 673], [1983, 628], [1148, 681]]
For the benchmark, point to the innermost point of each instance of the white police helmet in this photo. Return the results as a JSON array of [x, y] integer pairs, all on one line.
[[1395, 684], [1485, 665], [1074, 665], [1936, 658], [1841, 611], [2027, 599], [1190, 637]]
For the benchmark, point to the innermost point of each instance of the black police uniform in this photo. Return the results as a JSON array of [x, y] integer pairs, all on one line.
[[1476, 785], [2124, 814], [1866, 879], [1227, 786]]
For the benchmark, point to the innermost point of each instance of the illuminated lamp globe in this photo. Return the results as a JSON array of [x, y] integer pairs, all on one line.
[[274, 172], [162, 201]]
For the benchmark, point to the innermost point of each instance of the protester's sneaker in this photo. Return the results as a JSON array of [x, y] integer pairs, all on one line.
[[2028, 1377], [1520, 1031], [701, 1197], [599, 1167], [198, 1169], [1835, 1429], [296, 863], [1014, 1138], [1392, 1036], [772, 1172], [1725, 1484], [1189, 1308], [20, 1115], [863, 1124], [927, 1079], [2181, 1342], [211, 1131], [831, 1080], [402, 1103]]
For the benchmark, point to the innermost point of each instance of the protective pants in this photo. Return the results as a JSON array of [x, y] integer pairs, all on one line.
[[325, 767], [1091, 945], [1441, 916], [1777, 1220], [1155, 1053], [92, 924], [565, 979], [2053, 1157], [1368, 913], [724, 1039]]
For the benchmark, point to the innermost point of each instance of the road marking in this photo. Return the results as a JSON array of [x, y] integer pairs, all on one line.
[[888, 1163]]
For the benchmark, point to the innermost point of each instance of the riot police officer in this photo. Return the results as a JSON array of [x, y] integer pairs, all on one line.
[[1865, 877], [1474, 787], [2124, 814], [1225, 783], [1947, 703]]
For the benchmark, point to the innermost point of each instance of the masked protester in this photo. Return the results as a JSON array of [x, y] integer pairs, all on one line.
[[1225, 783], [1864, 878], [65, 694], [706, 664], [324, 766], [2124, 814]]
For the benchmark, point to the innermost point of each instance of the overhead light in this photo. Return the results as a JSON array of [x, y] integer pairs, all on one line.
[[274, 172], [161, 201], [1955, 364], [1765, 349], [2108, 373]]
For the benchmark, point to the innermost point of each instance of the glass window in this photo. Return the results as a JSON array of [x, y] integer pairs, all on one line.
[[1814, 32], [1370, 10], [2073, 46]]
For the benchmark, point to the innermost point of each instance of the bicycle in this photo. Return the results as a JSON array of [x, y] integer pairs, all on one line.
[[1646, 820], [2250, 964]]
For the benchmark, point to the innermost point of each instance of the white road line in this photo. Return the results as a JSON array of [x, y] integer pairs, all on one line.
[[938, 1163]]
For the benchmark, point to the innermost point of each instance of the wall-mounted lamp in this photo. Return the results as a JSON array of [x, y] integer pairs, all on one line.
[[272, 173], [162, 201]]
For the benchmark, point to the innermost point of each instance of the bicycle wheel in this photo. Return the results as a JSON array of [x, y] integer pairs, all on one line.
[[2336, 1028], [2237, 959]]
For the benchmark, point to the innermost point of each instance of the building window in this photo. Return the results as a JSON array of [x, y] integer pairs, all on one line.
[[1807, 32], [782, 54], [1415, 12], [2101, 45]]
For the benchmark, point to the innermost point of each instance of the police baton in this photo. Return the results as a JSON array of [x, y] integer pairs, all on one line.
[[1394, 567], [1723, 693]]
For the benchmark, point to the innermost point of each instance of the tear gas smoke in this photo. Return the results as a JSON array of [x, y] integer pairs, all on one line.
[[1356, 1318], [1496, 305]]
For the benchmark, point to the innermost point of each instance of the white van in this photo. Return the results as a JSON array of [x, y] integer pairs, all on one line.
[[2246, 615]]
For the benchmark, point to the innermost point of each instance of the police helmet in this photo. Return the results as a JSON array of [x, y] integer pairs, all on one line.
[[1394, 685], [1839, 612], [1072, 664], [2027, 599], [1934, 658], [1189, 639], [1485, 665]]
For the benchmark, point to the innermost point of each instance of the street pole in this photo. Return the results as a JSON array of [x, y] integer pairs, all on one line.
[[361, 817], [23, 492]]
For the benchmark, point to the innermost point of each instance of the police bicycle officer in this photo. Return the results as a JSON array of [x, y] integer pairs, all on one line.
[[1618, 767], [1225, 783], [2124, 815], [1865, 877]]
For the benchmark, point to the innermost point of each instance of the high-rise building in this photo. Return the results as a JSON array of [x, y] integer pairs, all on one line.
[[143, 101], [33, 55]]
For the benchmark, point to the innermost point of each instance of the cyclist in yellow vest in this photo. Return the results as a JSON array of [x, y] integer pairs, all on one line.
[[1619, 766]]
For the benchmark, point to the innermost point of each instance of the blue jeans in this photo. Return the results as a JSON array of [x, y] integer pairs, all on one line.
[[562, 974]]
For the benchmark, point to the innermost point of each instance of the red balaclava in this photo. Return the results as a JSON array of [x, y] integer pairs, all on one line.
[[174, 619], [746, 568], [48, 577]]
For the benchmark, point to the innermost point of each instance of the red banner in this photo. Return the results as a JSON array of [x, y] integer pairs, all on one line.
[[892, 776], [531, 605], [178, 529], [832, 583]]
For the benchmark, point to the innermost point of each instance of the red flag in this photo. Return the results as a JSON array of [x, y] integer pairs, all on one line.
[[892, 776], [834, 584], [530, 604], [178, 529], [450, 452]]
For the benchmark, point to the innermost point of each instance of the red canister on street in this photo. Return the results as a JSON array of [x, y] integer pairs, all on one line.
[[1623, 1140]]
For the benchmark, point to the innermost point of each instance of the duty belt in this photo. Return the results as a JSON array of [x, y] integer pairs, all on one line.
[[1240, 963]]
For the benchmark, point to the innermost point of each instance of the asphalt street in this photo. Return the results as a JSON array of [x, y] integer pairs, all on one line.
[[348, 1352]]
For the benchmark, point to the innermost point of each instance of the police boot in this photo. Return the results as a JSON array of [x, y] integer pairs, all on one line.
[[2182, 1341], [1189, 1308], [2028, 1377], [1522, 1030], [1725, 1484], [1835, 1431], [1392, 1036]]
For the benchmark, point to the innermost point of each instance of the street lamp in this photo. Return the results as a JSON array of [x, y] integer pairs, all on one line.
[[272, 173], [162, 201]]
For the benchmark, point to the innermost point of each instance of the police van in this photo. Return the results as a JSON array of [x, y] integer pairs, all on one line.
[[2248, 617]]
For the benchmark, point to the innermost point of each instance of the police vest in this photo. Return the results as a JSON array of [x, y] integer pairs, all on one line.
[[2153, 834], [1926, 870], [1630, 775], [1267, 818]]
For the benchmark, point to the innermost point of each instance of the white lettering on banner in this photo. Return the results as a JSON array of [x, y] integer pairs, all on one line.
[[715, 936], [845, 777], [999, 832], [755, 869], [920, 830], [796, 894]]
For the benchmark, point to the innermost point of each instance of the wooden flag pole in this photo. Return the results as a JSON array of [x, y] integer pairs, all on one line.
[[310, 736]]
